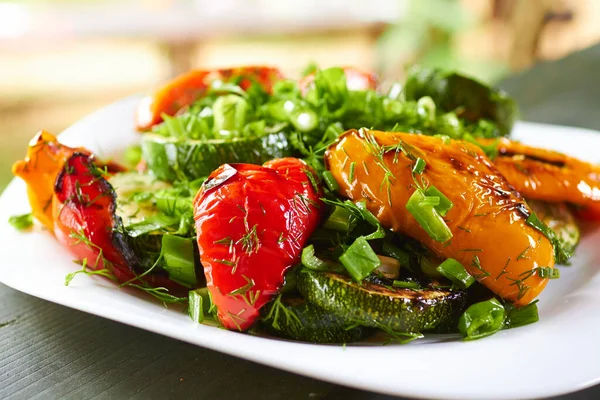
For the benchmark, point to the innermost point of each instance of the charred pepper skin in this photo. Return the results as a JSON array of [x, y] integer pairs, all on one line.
[[83, 209], [252, 223], [491, 237]]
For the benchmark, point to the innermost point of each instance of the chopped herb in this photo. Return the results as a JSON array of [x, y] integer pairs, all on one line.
[[21, 222], [360, 259], [455, 271], [351, 174], [406, 285], [481, 319]]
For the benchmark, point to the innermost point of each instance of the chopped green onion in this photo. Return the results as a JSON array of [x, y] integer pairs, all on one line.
[[548, 272], [133, 155], [311, 261], [455, 271], [521, 316], [426, 108], [304, 120], [340, 220], [419, 166], [330, 181], [229, 113], [371, 219], [394, 251], [429, 266], [406, 285], [21, 222], [199, 304], [481, 319], [428, 217], [360, 259], [178, 253], [444, 203], [430, 201]]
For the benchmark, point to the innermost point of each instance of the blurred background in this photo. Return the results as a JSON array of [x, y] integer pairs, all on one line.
[[62, 59]]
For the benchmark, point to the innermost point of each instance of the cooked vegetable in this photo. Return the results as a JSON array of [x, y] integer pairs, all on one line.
[[355, 80], [171, 158], [360, 259], [516, 317], [294, 318], [83, 210], [559, 218], [45, 158], [252, 223], [454, 271], [482, 319], [467, 97], [368, 304], [199, 304], [546, 175], [491, 236], [185, 89], [21, 222]]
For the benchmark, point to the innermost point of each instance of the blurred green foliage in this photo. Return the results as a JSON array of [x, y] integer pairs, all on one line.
[[427, 32]]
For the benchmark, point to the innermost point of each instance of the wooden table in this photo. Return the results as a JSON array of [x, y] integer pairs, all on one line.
[[50, 351]]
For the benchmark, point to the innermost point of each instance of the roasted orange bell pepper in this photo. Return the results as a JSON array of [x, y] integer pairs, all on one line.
[[189, 87], [488, 220], [45, 158], [549, 175]]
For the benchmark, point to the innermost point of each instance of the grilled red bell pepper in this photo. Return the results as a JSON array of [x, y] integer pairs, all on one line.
[[252, 223], [83, 209], [355, 80], [187, 88]]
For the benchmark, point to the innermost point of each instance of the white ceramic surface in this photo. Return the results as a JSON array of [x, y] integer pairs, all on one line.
[[559, 354]]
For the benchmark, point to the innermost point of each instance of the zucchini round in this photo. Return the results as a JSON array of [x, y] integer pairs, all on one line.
[[294, 318], [388, 308], [170, 158]]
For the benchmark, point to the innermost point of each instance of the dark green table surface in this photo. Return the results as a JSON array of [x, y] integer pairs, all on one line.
[[50, 351]]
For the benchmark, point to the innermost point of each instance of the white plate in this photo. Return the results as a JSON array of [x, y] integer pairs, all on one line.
[[559, 354]]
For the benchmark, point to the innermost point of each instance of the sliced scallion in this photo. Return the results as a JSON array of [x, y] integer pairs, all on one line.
[[199, 304], [340, 220], [522, 316], [178, 253], [21, 222], [455, 271], [444, 204], [311, 261], [481, 319], [330, 181], [428, 217], [360, 259]]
